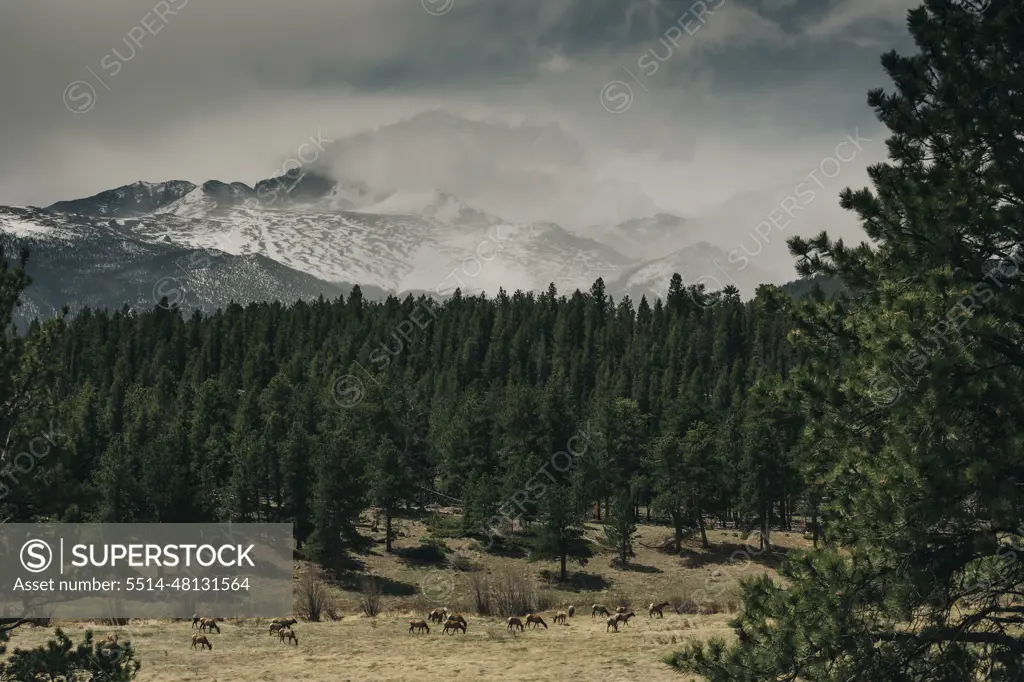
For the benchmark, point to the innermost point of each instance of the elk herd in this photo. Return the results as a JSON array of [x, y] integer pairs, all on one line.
[[453, 623], [280, 626]]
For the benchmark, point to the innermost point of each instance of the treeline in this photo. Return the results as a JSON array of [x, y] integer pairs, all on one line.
[[312, 412]]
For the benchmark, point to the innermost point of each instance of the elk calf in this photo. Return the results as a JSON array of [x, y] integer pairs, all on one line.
[[612, 623]]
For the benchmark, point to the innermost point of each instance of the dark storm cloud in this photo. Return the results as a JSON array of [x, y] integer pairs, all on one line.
[[226, 89]]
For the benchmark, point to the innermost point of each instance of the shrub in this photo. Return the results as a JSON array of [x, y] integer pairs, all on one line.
[[313, 595], [510, 592], [370, 601], [684, 605], [444, 526]]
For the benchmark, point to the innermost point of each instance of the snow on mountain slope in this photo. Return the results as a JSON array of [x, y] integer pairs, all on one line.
[[129, 201], [83, 261], [700, 263], [323, 233]]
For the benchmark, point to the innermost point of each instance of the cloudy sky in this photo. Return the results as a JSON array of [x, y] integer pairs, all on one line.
[[716, 110]]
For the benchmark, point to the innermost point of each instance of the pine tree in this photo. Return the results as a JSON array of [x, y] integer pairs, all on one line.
[[911, 383], [620, 528]]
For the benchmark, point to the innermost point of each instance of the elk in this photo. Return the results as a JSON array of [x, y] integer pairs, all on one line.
[[560, 617], [209, 625], [599, 608], [454, 626], [419, 626], [624, 617], [457, 618], [572, 611], [612, 623], [202, 641], [535, 620], [514, 622], [438, 615], [620, 609], [195, 621], [657, 609], [288, 634], [285, 622]]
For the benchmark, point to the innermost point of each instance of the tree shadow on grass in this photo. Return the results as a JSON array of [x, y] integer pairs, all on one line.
[[733, 553], [578, 581], [356, 582], [636, 568]]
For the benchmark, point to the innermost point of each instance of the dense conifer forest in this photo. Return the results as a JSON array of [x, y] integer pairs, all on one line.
[[311, 413], [887, 415]]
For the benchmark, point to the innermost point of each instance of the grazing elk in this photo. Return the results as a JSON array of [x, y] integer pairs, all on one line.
[[612, 623], [451, 626], [438, 615], [514, 622], [599, 608], [560, 617], [284, 622], [419, 626], [202, 642], [208, 625], [535, 620], [288, 634], [457, 618], [657, 609]]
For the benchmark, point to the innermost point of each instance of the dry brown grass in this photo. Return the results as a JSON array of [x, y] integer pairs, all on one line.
[[359, 648], [355, 649]]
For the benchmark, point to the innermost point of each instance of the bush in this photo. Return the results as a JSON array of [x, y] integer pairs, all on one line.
[[618, 599], [684, 605], [313, 595], [445, 526], [510, 592], [371, 599]]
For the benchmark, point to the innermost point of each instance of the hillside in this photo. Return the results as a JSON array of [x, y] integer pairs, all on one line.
[[357, 647]]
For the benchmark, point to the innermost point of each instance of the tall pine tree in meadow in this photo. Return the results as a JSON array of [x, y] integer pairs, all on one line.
[[912, 390]]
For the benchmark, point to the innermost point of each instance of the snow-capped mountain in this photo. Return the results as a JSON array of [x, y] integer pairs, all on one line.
[[82, 261], [287, 238], [700, 263], [129, 201]]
